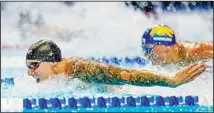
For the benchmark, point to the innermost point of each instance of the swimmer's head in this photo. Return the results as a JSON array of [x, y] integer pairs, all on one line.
[[157, 42], [41, 57]]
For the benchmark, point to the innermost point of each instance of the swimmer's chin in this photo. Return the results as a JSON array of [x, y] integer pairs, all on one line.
[[39, 80]]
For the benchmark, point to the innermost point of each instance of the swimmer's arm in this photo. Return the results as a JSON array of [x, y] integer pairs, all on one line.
[[104, 73], [146, 78]]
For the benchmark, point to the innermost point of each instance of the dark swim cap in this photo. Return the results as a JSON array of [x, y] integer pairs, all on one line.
[[45, 51]]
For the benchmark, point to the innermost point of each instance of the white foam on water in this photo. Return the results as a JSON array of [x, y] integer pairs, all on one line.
[[100, 29], [11, 105]]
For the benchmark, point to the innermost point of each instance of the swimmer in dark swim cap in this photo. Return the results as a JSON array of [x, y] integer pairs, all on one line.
[[160, 46], [44, 60], [42, 54]]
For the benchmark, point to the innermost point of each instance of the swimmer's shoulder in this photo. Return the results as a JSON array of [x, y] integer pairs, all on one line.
[[192, 44], [188, 45], [185, 43], [66, 65]]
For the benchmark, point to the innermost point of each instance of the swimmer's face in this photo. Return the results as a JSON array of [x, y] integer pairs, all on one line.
[[162, 54], [39, 70]]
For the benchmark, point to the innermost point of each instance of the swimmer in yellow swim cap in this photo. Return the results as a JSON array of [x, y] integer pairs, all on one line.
[[160, 46], [44, 60]]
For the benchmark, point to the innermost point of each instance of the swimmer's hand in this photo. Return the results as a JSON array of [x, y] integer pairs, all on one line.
[[188, 73]]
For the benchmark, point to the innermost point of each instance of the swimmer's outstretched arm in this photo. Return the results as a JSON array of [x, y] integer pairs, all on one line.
[[89, 70]]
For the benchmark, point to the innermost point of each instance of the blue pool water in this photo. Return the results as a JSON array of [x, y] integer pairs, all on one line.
[[134, 109]]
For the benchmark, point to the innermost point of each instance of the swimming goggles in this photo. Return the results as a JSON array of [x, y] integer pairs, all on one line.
[[147, 48], [33, 65]]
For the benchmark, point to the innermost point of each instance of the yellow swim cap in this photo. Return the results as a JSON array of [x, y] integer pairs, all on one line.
[[160, 35]]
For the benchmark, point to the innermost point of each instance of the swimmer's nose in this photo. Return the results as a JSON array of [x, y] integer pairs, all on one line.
[[31, 72]]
